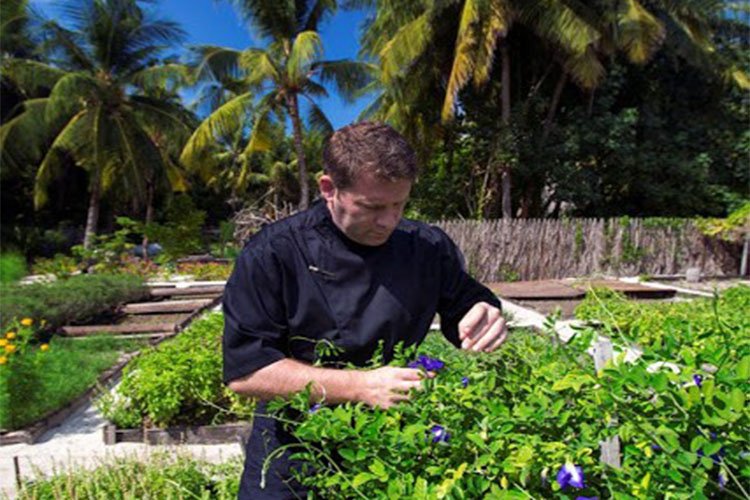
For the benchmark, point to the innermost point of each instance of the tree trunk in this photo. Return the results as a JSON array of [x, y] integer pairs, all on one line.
[[149, 216], [92, 218], [505, 119], [553, 106], [304, 186]]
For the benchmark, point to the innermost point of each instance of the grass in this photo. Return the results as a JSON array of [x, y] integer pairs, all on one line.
[[162, 475], [12, 267], [57, 376]]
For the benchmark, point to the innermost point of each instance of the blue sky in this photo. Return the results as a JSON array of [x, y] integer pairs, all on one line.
[[211, 22]]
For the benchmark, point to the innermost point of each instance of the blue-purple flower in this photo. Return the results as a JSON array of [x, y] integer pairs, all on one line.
[[698, 379], [314, 408], [587, 498], [439, 434], [722, 479], [570, 475], [428, 363], [656, 447], [465, 382]]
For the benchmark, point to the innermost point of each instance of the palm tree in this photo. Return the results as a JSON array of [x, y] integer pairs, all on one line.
[[94, 113], [408, 37], [273, 79]]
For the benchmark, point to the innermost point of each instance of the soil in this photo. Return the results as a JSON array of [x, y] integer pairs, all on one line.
[[140, 319]]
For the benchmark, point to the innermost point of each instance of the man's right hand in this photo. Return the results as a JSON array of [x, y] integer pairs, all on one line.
[[389, 385]]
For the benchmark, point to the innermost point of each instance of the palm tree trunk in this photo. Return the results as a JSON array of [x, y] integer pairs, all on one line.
[[304, 186], [553, 106], [149, 216], [505, 119], [92, 218]]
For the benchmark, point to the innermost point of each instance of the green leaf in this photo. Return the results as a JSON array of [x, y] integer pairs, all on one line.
[[743, 368], [362, 478], [348, 454], [378, 468], [574, 381], [737, 399]]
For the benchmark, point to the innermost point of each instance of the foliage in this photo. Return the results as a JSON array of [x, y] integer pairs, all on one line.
[[665, 328], [506, 425], [177, 382], [180, 235], [734, 227], [53, 374], [106, 251], [12, 267], [75, 300], [206, 271], [161, 475], [61, 266]]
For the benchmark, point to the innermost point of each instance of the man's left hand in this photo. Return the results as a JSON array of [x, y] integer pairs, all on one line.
[[483, 328]]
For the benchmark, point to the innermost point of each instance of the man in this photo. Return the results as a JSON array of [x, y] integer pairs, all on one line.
[[348, 271]]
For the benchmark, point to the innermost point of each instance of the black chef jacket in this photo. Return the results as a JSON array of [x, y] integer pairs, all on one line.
[[302, 280]]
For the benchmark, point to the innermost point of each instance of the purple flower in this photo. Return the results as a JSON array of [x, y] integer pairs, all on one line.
[[722, 479], [465, 382], [570, 475], [439, 434], [698, 379], [314, 408], [429, 364], [587, 498], [656, 447]]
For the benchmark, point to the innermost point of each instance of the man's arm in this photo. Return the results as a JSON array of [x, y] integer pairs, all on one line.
[[381, 387]]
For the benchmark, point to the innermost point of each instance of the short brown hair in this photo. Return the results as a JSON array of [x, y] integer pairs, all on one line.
[[368, 147]]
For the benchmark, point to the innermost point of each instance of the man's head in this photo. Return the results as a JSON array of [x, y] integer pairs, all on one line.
[[368, 172]]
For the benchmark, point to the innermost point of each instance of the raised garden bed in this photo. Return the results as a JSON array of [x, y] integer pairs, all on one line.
[[198, 434], [31, 433]]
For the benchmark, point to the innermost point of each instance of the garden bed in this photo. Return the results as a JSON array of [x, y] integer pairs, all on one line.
[[68, 378]]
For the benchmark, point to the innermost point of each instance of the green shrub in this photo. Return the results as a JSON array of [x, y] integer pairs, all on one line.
[[161, 475], [12, 267], [61, 266], [504, 425], [74, 300], [177, 382]]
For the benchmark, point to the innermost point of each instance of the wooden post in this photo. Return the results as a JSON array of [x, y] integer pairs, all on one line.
[[610, 448], [17, 469]]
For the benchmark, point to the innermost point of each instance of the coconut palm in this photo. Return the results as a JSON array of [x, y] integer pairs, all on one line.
[[273, 79], [95, 113], [409, 36]]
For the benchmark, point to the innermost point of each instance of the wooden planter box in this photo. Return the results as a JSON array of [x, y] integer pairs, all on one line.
[[199, 434]]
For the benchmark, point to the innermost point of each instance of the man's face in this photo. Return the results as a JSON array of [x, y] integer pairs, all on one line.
[[369, 210]]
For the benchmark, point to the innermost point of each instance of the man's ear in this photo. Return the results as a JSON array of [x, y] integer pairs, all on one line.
[[327, 187]]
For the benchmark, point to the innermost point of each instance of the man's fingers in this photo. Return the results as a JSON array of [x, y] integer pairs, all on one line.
[[470, 321], [492, 333], [498, 342]]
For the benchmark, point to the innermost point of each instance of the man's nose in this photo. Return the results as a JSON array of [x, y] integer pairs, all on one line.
[[389, 218]]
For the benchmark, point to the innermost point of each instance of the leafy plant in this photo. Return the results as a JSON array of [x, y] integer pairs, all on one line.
[[75, 300], [180, 235], [177, 382]]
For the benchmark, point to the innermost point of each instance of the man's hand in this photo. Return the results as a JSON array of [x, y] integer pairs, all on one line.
[[482, 328], [389, 385]]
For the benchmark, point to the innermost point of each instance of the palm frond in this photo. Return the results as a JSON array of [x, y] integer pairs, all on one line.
[[73, 137], [348, 77], [24, 137], [261, 136], [259, 67], [32, 77], [306, 49], [463, 60], [639, 32], [71, 93], [407, 45], [221, 124], [216, 63], [318, 121], [165, 78]]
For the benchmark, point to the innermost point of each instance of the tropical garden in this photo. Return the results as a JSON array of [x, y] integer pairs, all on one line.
[[126, 151]]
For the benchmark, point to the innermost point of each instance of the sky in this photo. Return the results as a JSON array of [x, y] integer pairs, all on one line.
[[214, 22]]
